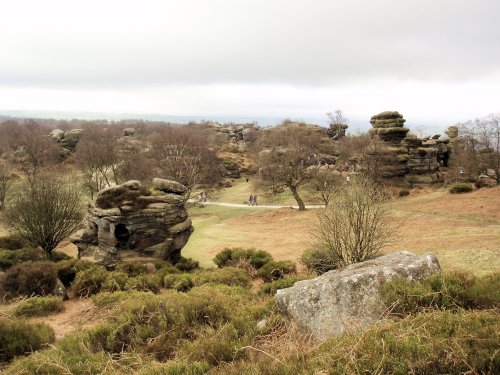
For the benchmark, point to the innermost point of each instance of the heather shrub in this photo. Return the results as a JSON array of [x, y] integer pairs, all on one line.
[[179, 282], [115, 281], [452, 291], [232, 256], [89, 281], [67, 269], [9, 258], [132, 268], [176, 368], [39, 306], [12, 242], [30, 279], [460, 188], [57, 256], [320, 259], [105, 299], [227, 276], [187, 264], [276, 270], [285, 282], [18, 337], [151, 283]]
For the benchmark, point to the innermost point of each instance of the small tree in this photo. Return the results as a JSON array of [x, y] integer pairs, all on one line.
[[45, 211], [326, 184], [353, 228], [288, 159], [5, 184]]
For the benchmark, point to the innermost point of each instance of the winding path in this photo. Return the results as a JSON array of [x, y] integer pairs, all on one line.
[[239, 205]]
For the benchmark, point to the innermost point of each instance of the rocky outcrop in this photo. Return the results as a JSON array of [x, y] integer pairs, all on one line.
[[387, 133], [348, 299], [129, 217], [68, 139], [485, 180]]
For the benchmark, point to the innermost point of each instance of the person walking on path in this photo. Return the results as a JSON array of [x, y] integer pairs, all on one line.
[[250, 200], [255, 200]]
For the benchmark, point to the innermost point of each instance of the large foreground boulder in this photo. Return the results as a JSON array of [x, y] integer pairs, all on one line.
[[348, 299]]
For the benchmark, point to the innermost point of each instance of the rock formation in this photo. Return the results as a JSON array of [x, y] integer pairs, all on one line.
[[386, 149], [348, 299], [129, 217]]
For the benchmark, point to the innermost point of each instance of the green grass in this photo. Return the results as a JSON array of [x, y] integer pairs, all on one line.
[[207, 231]]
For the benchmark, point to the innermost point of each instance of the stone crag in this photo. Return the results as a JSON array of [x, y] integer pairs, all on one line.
[[129, 217], [348, 299]]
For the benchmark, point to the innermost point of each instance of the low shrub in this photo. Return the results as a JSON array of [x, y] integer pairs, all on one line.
[[276, 270], [319, 260], [67, 269], [105, 299], [12, 242], [440, 342], [39, 306], [18, 337], [404, 192], [161, 325], [89, 281], [227, 276], [450, 291], [187, 264], [9, 258], [213, 346], [151, 283], [176, 368], [132, 268], [460, 188], [30, 279], [232, 256], [115, 281], [57, 256], [72, 356], [179, 282], [285, 282]]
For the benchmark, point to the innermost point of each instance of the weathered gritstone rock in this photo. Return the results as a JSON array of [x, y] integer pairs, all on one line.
[[485, 181], [128, 217], [349, 299], [387, 134]]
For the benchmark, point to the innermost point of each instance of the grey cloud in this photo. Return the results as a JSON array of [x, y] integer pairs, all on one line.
[[316, 43]]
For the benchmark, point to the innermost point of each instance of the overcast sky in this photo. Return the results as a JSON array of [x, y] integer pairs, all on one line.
[[436, 61]]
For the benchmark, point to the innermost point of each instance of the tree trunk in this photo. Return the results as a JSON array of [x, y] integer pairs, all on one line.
[[299, 200]]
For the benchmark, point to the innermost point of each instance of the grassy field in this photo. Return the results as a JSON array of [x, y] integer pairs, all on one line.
[[462, 230]]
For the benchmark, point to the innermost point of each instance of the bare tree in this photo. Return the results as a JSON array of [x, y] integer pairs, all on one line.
[[45, 211], [36, 150], [5, 184], [353, 228], [289, 159], [326, 184], [97, 156], [478, 147], [184, 155]]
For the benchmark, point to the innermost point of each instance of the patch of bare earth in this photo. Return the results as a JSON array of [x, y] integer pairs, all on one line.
[[78, 314]]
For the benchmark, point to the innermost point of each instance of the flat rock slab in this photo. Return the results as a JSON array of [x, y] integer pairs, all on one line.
[[349, 299]]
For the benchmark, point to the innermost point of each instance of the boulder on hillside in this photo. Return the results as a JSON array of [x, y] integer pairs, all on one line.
[[485, 181], [168, 186], [348, 299]]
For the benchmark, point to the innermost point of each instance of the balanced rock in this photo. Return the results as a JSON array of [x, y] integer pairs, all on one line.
[[129, 218], [349, 299]]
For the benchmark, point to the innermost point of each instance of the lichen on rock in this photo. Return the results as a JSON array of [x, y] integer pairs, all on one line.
[[131, 218]]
